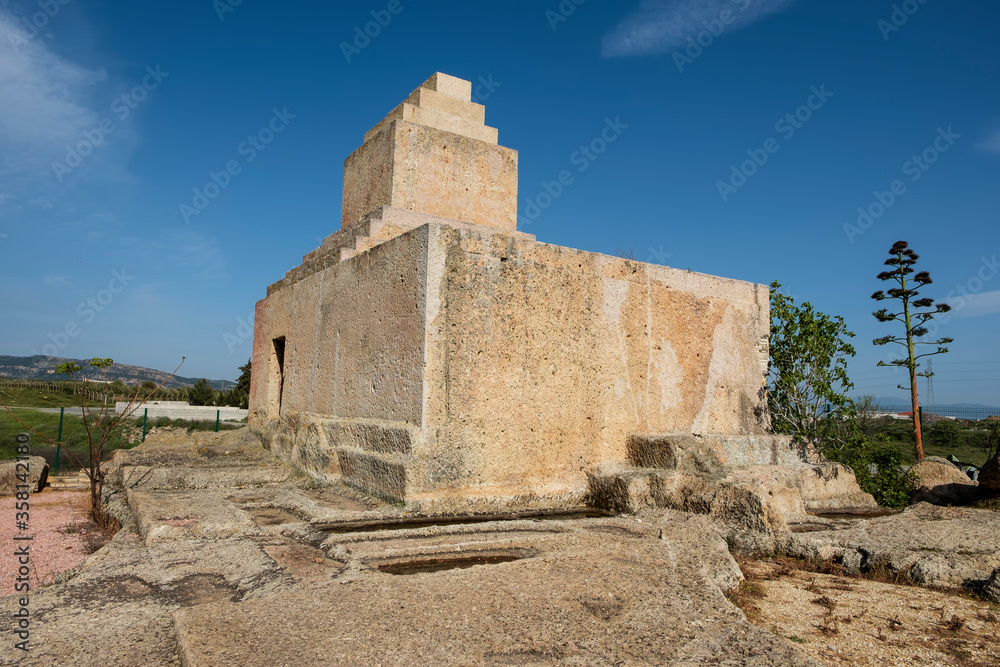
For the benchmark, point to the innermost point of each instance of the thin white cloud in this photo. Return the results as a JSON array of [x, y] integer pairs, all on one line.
[[44, 99], [976, 305], [658, 26], [992, 143], [47, 103], [190, 252]]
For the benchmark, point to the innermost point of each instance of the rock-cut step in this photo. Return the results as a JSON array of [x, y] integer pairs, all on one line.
[[69, 481], [736, 476]]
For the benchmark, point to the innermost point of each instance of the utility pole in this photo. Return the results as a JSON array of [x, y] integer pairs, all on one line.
[[930, 384]]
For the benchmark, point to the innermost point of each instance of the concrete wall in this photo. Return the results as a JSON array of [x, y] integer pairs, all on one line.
[[182, 410]]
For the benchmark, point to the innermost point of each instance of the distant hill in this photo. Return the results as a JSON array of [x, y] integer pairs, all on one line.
[[41, 367]]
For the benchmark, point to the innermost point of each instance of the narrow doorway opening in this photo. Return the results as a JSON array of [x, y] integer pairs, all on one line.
[[279, 356]]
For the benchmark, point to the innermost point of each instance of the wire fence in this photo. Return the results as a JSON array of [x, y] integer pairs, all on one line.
[[935, 412], [965, 413], [60, 434], [40, 427]]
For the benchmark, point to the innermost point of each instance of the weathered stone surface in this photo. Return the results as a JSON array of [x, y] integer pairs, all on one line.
[[830, 487], [174, 460], [127, 593], [36, 469], [924, 544], [507, 395], [683, 452], [992, 588], [513, 368], [989, 476], [176, 448], [940, 482], [600, 592], [433, 155], [754, 503], [165, 516], [241, 563]]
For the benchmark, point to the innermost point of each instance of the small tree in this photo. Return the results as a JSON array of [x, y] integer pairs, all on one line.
[[99, 423], [808, 385], [914, 314], [807, 376], [991, 444], [202, 393], [239, 396], [869, 415], [243, 382]]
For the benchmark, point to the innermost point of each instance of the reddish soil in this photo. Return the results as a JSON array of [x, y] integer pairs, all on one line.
[[63, 536]]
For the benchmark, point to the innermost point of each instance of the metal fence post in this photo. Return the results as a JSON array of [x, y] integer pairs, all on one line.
[[217, 420], [62, 412], [145, 414]]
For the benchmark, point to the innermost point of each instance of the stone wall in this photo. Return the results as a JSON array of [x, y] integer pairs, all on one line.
[[431, 353], [514, 367]]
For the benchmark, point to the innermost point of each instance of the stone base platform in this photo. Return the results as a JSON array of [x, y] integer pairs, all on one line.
[[760, 484], [237, 559]]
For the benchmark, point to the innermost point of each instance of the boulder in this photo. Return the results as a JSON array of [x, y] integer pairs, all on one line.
[[926, 545], [989, 476], [38, 475], [939, 482], [992, 589]]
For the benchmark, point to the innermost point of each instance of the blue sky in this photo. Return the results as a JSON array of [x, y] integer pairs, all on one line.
[[749, 136]]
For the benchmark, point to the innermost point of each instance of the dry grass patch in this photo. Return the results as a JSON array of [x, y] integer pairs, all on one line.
[[841, 620]]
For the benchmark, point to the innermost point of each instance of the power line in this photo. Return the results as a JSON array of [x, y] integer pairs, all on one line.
[[939, 381]]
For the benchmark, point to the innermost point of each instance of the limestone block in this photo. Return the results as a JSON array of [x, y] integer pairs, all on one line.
[[431, 99], [449, 85], [433, 154], [37, 470], [940, 482], [685, 452], [437, 119], [164, 516], [516, 365], [989, 476], [433, 171], [924, 544], [991, 591]]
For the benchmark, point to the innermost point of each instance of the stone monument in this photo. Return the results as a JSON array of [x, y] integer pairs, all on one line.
[[430, 353]]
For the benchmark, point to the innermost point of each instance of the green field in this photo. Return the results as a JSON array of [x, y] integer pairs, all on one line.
[[74, 436], [38, 398], [966, 440]]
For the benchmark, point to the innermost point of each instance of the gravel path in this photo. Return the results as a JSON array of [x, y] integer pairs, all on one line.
[[62, 534]]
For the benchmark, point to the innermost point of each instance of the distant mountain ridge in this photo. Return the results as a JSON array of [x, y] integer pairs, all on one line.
[[40, 367]]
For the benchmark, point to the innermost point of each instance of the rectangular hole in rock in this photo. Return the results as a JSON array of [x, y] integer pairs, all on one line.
[[411, 523], [439, 564]]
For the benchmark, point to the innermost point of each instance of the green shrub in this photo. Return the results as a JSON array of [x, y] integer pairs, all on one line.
[[879, 471], [946, 433]]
